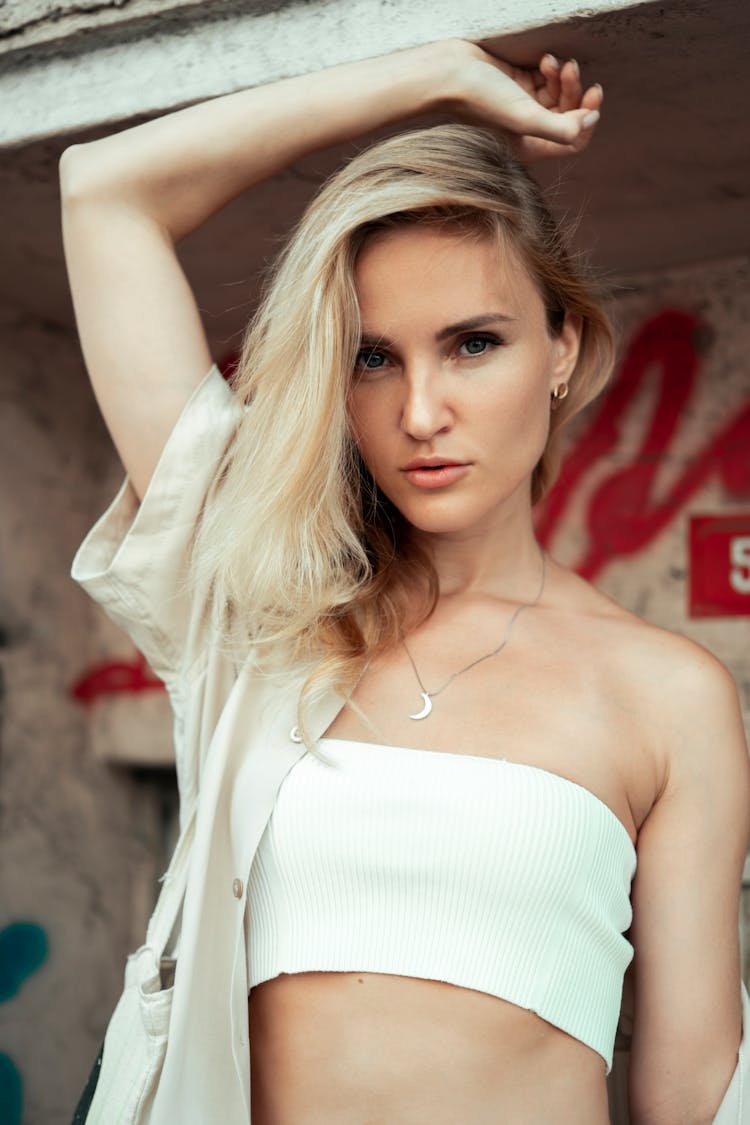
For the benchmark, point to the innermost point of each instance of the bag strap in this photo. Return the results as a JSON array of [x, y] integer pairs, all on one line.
[[174, 882]]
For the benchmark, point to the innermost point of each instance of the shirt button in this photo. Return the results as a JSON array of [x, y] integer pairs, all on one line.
[[237, 888]]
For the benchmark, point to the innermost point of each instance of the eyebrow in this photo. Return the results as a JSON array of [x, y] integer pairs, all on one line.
[[369, 340]]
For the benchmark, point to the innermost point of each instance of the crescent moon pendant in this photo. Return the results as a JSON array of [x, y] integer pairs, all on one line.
[[425, 710]]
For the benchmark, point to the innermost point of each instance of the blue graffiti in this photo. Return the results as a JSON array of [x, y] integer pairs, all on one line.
[[23, 948]]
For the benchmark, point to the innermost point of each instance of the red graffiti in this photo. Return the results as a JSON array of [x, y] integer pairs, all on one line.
[[116, 677], [623, 515]]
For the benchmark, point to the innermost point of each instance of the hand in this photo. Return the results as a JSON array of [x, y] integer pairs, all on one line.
[[546, 111]]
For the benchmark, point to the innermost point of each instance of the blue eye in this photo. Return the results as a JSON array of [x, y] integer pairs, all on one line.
[[478, 345], [369, 360]]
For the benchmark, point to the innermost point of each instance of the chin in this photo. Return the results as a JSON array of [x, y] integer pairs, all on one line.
[[447, 522], [462, 512]]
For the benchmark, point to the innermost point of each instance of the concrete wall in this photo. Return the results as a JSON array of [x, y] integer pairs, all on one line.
[[121, 57], [80, 843]]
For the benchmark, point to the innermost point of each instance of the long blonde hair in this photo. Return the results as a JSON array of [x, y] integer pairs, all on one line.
[[295, 545]]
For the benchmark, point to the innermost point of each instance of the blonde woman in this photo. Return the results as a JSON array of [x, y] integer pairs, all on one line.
[[419, 761]]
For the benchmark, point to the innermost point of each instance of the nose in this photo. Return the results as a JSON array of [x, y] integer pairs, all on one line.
[[425, 410]]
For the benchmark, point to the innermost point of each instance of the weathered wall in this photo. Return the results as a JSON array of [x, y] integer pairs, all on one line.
[[82, 842], [27, 23], [639, 555]]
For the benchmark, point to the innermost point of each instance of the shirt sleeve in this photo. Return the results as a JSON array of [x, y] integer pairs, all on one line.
[[134, 562]]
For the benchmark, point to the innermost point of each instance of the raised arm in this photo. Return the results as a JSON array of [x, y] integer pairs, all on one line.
[[129, 198]]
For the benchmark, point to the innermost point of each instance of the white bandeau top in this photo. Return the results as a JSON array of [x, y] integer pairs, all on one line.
[[484, 873]]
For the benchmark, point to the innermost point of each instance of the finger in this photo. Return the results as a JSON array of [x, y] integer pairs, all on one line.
[[589, 122], [560, 128], [570, 86], [593, 97], [533, 147], [548, 93]]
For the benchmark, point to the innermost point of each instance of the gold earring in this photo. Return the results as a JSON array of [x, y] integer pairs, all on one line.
[[558, 394]]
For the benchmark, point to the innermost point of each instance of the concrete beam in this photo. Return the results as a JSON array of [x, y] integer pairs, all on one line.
[[96, 65]]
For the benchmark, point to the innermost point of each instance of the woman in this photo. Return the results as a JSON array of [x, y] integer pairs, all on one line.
[[429, 840]]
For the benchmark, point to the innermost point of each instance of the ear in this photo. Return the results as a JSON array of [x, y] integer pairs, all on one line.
[[565, 349]]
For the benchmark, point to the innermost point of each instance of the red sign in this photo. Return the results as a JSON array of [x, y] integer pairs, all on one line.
[[719, 566]]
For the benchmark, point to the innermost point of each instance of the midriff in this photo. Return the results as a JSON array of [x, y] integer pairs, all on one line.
[[379, 1049]]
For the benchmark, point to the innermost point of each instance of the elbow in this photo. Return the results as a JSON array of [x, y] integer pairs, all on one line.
[[72, 172], [685, 1085], [688, 1105], [84, 173]]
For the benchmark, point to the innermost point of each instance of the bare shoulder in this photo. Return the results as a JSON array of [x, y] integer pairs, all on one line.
[[686, 698], [647, 649]]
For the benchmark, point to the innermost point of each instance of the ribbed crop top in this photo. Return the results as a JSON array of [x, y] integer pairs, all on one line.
[[482, 872]]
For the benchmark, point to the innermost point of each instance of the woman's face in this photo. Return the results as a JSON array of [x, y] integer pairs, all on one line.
[[455, 369]]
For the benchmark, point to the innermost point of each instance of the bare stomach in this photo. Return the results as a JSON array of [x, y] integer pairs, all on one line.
[[375, 1049]]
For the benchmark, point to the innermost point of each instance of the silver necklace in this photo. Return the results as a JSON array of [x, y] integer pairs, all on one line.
[[428, 696]]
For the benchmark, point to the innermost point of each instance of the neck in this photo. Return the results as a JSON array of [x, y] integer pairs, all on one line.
[[505, 563]]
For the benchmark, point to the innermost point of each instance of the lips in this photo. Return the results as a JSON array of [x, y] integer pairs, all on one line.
[[432, 462], [434, 472]]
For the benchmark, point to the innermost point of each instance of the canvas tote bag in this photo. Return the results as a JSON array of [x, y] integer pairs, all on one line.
[[126, 1074]]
